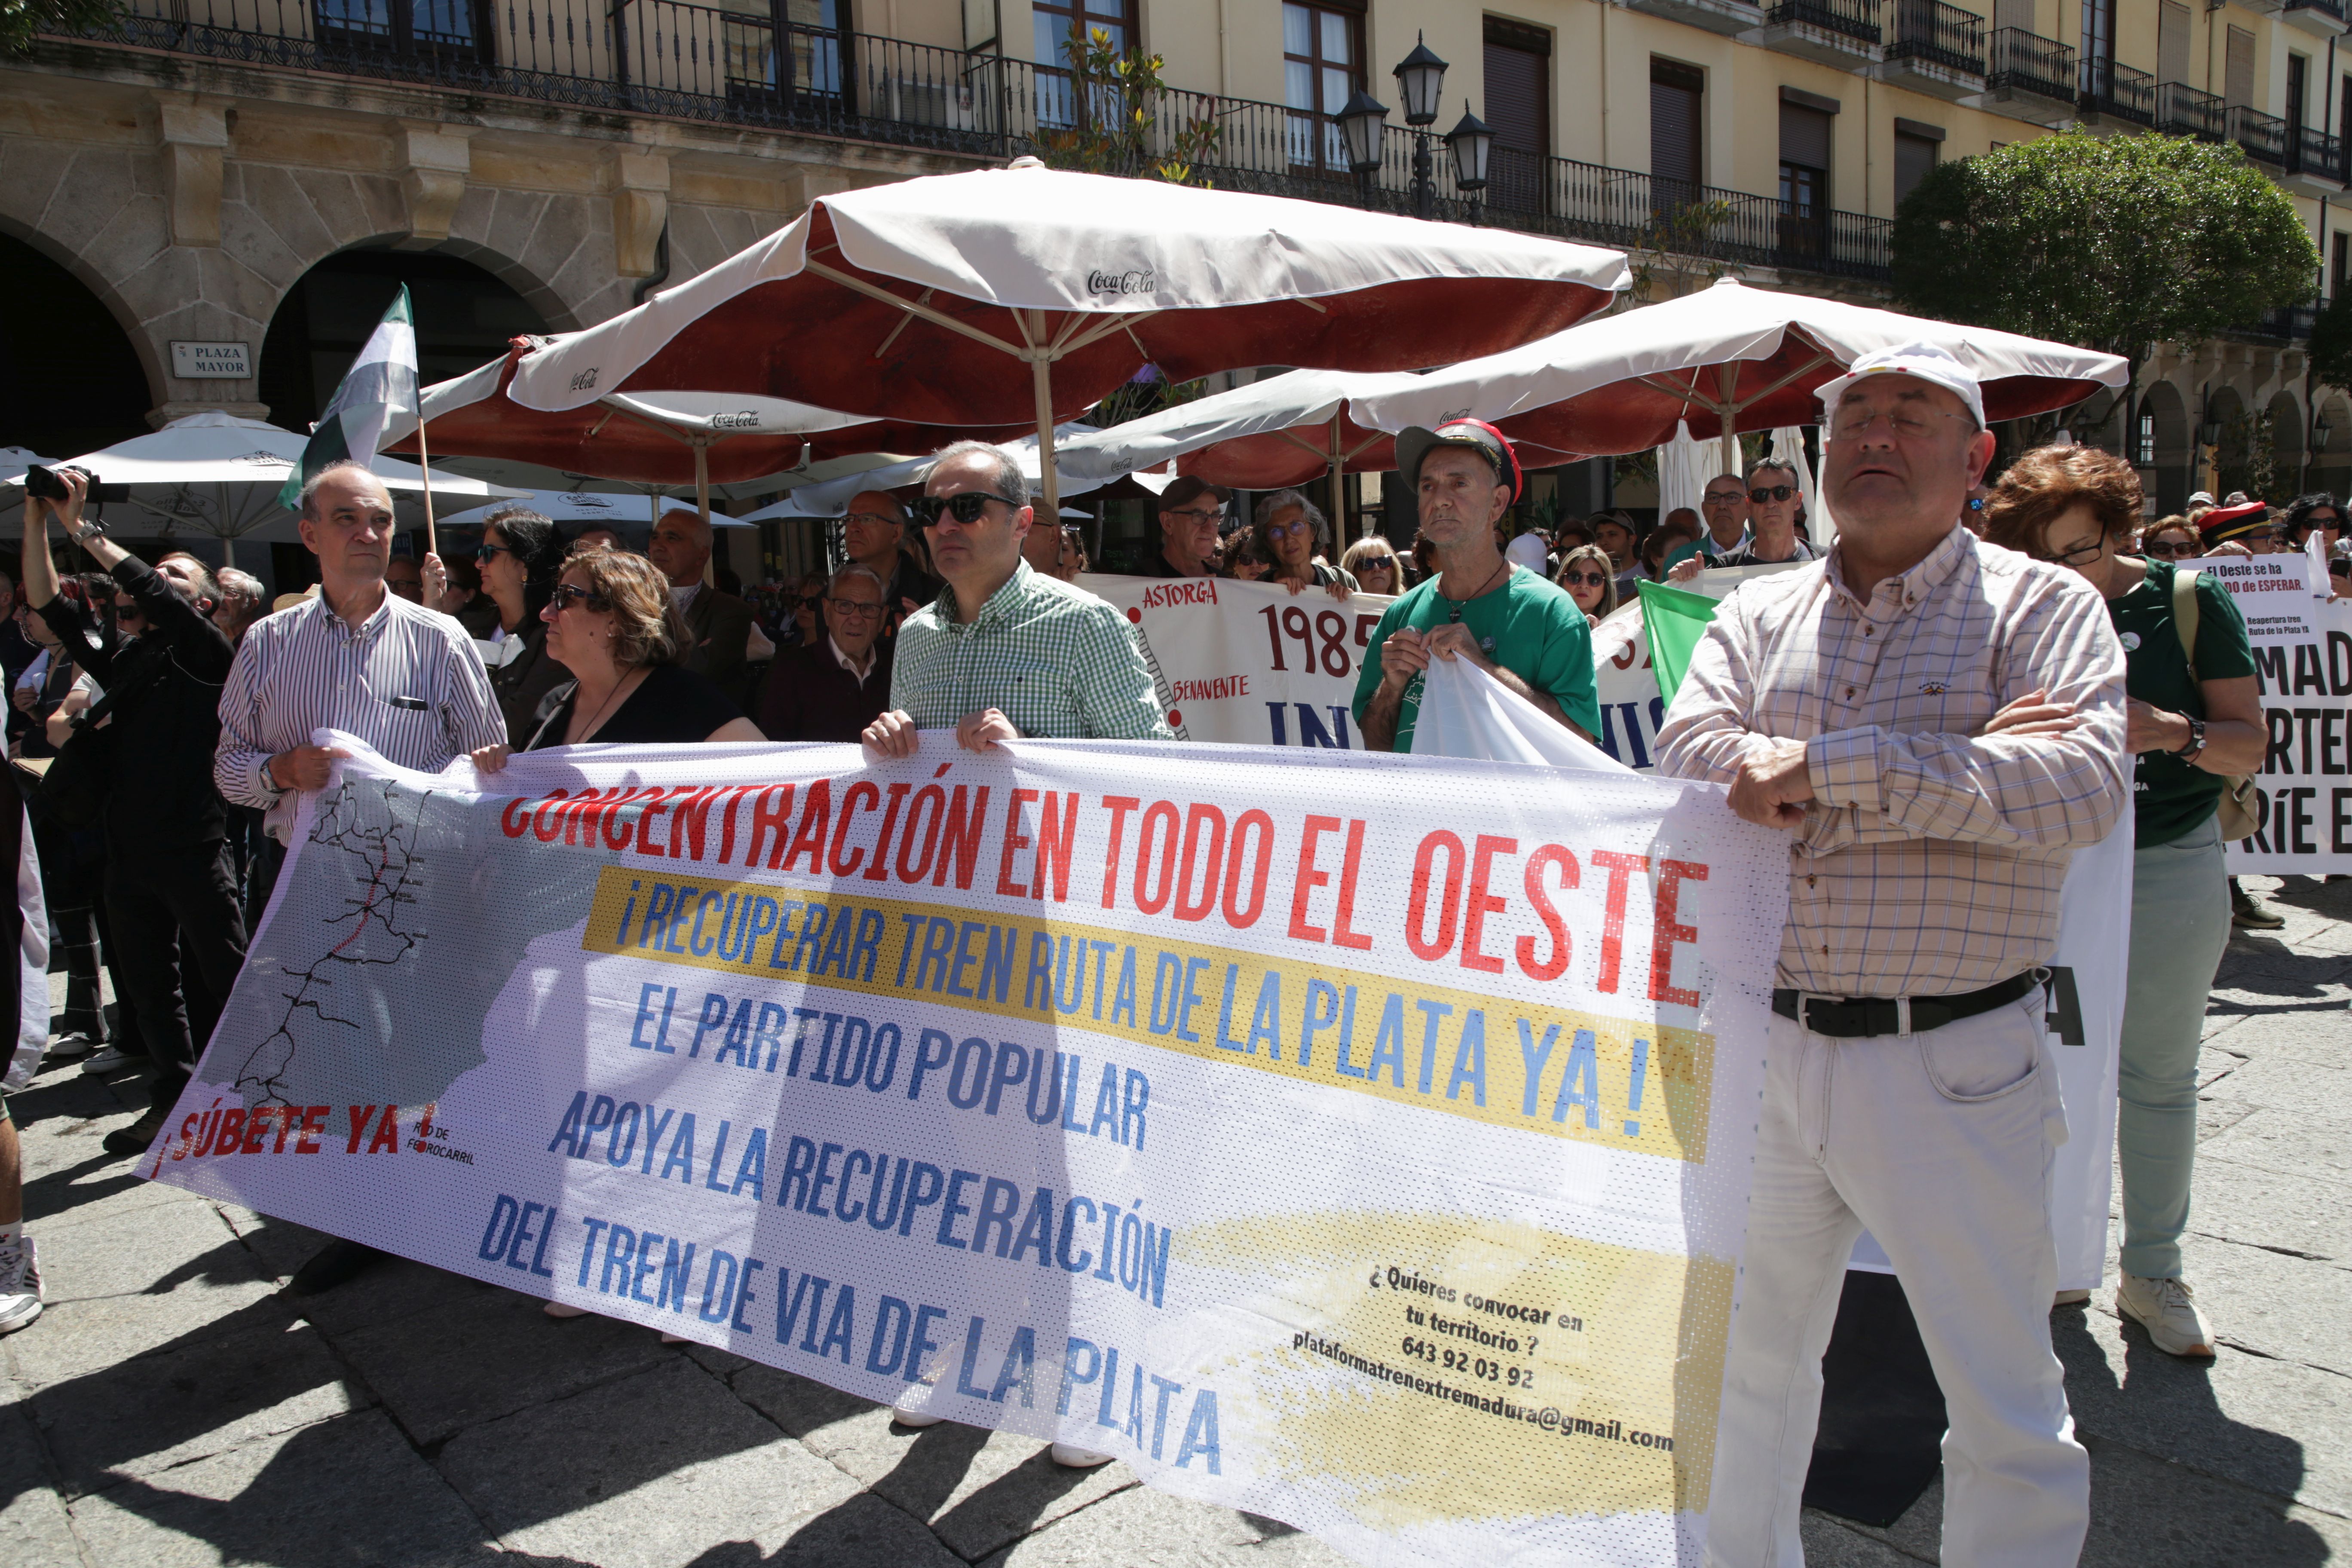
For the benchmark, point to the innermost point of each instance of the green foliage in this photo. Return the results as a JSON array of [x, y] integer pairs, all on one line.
[[2116, 243], [2331, 343], [21, 20], [1116, 102], [1673, 246], [2248, 457]]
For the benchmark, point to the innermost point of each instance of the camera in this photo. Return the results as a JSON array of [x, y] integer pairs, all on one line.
[[46, 484]]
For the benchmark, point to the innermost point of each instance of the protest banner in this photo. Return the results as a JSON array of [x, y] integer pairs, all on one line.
[[1250, 663], [1378, 1168], [2303, 670]]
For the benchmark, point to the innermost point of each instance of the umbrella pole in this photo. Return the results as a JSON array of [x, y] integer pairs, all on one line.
[[1041, 378], [1338, 496], [424, 467], [702, 506]]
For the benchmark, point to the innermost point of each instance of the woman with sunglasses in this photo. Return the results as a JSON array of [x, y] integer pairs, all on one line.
[[1374, 563], [521, 556], [611, 623], [2192, 719], [1587, 577], [2171, 539], [1245, 559]]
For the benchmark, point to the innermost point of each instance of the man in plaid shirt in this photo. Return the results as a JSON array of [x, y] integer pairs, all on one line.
[[1939, 725], [1005, 653]]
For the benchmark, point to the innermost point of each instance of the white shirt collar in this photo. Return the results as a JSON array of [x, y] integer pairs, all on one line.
[[873, 659]]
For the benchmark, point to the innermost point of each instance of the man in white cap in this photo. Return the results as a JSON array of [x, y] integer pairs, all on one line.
[[1506, 620], [1939, 725]]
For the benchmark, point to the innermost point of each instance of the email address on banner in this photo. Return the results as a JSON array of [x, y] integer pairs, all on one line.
[[1622, 1083], [1548, 1418]]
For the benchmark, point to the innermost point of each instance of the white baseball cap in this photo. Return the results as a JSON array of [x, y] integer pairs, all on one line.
[[1526, 550], [1926, 361]]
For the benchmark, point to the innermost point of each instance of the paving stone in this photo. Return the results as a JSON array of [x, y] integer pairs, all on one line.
[[1833, 1543], [344, 1492], [2272, 1426], [2321, 1035], [2144, 1510], [184, 1402], [2290, 1307], [1138, 1525], [35, 1531], [646, 1471], [117, 1287], [980, 1491], [2290, 1143], [2272, 1079], [2309, 1214], [486, 1356]]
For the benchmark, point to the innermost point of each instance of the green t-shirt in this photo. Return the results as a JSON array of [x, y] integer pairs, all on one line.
[[1529, 626], [2168, 797]]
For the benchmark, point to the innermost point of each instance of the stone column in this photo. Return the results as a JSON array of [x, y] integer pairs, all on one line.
[[434, 161]]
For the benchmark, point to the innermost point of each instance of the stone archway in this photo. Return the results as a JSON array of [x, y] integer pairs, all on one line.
[[464, 316], [70, 378], [2168, 447]]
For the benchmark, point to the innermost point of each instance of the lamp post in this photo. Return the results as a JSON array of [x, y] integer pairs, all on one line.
[[1421, 78], [1363, 126]]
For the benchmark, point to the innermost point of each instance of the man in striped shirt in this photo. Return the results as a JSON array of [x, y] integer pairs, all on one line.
[[1939, 725], [359, 658]]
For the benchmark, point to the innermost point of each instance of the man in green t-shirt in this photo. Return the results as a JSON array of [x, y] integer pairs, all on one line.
[[1505, 619]]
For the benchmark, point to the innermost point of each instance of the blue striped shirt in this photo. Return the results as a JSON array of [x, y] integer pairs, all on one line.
[[409, 682]]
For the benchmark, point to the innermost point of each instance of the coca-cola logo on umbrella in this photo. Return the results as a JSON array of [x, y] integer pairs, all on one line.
[[1138, 282], [746, 420]]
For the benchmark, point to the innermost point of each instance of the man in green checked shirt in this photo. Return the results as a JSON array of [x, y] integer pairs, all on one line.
[[1004, 653]]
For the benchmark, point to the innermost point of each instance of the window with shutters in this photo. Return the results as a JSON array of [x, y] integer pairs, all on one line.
[[1804, 178], [1915, 157], [2018, 13], [2098, 31], [1058, 28], [1676, 124], [2238, 77], [2340, 264], [1323, 64], [2172, 37], [1518, 110]]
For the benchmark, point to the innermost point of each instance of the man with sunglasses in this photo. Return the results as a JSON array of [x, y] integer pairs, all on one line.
[[1192, 516], [1773, 500], [832, 690], [874, 531], [1006, 652], [1937, 725]]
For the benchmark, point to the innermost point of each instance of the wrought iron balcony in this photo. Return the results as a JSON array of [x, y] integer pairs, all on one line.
[[1934, 34], [2322, 18], [2263, 136], [2184, 110], [2116, 90], [1855, 19], [2314, 155], [718, 66], [2027, 62]]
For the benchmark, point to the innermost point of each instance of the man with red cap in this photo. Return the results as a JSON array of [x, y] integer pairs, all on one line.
[[1505, 619], [2238, 526]]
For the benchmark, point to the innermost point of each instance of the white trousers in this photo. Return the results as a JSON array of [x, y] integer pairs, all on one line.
[[1940, 1143]]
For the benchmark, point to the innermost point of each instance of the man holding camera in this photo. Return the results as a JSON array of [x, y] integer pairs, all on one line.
[[171, 902]]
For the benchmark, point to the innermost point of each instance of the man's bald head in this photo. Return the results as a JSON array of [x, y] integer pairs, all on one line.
[[680, 546]]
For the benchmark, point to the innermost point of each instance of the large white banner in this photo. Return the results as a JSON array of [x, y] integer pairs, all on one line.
[[2303, 668], [1367, 1147]]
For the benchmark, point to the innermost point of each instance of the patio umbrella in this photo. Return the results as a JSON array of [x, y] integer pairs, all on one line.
[[218, 474], [924, 299], [1725, 359], [1286, 431], [831, 498], [584, 506]]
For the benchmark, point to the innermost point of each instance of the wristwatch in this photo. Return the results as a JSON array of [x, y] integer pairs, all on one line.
[[2195, 746], [90, 529]]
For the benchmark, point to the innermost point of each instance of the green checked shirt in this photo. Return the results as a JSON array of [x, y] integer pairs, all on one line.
[[1060, 663]]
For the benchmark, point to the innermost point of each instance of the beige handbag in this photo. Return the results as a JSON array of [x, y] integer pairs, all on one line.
[[2239, 815]]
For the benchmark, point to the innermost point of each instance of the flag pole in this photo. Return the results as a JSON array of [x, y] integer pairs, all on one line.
[[423, 466]]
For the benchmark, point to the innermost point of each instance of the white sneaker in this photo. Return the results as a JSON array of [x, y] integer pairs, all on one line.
[[916, 1418], [109, 1060], [1073, 1457], [2166, 1309], [560, 1310], [2069, 1298], [65, 1047], [20, 1286]]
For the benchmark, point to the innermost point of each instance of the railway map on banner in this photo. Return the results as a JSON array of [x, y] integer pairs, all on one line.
[[1363, 1145]]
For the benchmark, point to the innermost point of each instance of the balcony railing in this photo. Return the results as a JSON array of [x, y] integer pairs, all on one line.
[[2292, 322], [1936, 34], [2112, 88], [728, 67], [2311, 151], [2027, 62], [2263, 136], [2331, 8], [1857, 19], [2185, 111]]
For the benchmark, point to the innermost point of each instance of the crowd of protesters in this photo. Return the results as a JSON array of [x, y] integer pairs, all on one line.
[[2079, 672]]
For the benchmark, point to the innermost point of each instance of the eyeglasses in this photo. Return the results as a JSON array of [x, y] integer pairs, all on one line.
[[1296, 525], [855, 609], [871, 519], [1195, 514], [2169, 550], [489, 552], [965, 505], [571, 595], [1720, 498], [1772, 492], [1909, 421], [1591, 579], [1377, 563], [2082, 556]]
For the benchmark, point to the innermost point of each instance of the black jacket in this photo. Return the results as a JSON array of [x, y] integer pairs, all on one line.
[[167, 717]]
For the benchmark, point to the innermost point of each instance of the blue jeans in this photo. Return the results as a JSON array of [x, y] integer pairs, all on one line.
[[2181, 922]]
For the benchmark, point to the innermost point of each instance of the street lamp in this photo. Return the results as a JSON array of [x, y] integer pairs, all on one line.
[[1471, 139], [1421, 78], [2320, 431], [1363, 125]]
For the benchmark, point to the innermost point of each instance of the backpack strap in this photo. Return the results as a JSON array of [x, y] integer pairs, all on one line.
[[2184, 617]]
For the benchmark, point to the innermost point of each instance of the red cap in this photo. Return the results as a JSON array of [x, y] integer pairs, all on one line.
[[2234, 522]]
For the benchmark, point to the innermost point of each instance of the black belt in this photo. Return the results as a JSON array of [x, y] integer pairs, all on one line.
[[1863, 1018]]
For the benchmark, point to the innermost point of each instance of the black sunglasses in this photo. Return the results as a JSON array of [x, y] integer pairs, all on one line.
[[965, 505], [1594, 579], [568, 595], [1776, 493], [489, 552]]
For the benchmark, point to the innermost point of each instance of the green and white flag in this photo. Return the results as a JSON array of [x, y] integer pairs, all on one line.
[[380, 384]]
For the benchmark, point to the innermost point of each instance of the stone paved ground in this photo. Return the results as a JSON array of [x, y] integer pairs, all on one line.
[[174, 1407]]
